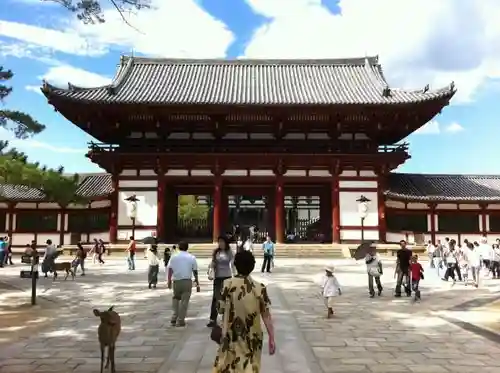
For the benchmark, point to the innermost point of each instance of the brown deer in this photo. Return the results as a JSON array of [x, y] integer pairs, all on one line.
[[108, 332]]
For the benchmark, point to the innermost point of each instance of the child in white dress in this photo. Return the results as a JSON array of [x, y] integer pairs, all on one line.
[[331, 288]]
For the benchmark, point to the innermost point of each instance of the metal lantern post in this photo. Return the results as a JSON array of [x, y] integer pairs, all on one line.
[[363, 205], [133, 211]]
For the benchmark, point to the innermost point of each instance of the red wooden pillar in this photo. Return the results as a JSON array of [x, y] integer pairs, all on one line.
[[324, 214], [484, 219], [382, 224], [279, 208], [160, 210], [432, 228], [217, 211], [335, 197], [113, 213]]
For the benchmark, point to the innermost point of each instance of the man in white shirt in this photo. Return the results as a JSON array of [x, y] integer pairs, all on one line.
[[473, 255], [430, 252], [180, 270], [486, 252]]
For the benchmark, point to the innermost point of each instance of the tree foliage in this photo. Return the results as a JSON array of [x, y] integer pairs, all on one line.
[[91, 11], [14, 165], [189, 208]]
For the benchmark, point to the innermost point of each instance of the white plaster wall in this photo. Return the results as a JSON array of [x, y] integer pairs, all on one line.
[[48, 206], [26, 205], [4, 228], [99, 235], [349, 215], [367, 173], [349, 173], [466, 206], [394, 237], [153, 184], [492, 237], [125, 234], [43, 237], [494, 207], [353, 184], [21, 239], [442, 236], [471, 237], [3, 205], [100, 204], [446, 206], [355, 235], [395, 204], [146, 208], [418, 206]]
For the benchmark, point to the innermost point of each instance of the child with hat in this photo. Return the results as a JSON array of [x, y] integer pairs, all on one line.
[[331, 288]]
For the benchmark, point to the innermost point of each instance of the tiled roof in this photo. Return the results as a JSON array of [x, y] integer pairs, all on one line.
[[91, 186], [419, 187], [249, 82]]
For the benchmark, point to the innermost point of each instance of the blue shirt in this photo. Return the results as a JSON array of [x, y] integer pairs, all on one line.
[[182, 265], [268, 248], [2, 246]]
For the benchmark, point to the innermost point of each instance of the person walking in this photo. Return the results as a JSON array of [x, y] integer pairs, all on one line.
[[131, 250], [451, 259], [2, 252], [153, 266], [430, 249], [243, 304], [374, 271], [220, 269], [102, 250], [80, 257], [495, 261], [181, 268], [403, 269], [268, 248], [474, 262]]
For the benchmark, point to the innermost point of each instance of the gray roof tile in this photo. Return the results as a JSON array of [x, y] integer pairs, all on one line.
[[91, 186], [453, 188], [249, 82]]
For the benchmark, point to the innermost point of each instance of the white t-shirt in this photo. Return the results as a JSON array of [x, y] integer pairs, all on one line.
[[50, 250], [152, 258], [331, 286], [474, 257], [485, 251]]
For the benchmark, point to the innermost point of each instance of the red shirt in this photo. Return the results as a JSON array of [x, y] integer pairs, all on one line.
[[416, 270]]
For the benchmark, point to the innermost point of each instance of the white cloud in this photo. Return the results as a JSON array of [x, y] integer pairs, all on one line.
[[431, 128], [62, 74], [454, 128], [50, 40], [434, 128], [419, 41], [171, 28], [31, 143]]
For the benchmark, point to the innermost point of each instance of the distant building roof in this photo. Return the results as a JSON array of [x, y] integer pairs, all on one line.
[[404, 187], [440, 188], [91, 186], [249, 82]]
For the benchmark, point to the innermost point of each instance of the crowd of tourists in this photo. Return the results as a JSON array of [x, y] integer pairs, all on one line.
[[466, 262]]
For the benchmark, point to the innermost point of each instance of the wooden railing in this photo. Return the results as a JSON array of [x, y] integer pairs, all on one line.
[[239, 146]]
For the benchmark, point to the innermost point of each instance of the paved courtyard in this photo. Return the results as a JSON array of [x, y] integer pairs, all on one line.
[[368, 335]]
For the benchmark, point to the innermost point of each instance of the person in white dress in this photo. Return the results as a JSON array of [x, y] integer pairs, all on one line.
[[331, 289]]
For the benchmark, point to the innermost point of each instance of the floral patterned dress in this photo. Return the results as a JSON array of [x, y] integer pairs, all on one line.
[[242, 303]]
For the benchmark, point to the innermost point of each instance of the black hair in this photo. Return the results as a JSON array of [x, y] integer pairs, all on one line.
[[244, 261], [183, 246]]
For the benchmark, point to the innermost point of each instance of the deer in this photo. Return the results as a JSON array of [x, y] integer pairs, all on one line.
[[107, 333]]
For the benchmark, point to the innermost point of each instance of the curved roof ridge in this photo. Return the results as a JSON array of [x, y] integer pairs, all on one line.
[[122, 70], [445, 175], [373, 60]]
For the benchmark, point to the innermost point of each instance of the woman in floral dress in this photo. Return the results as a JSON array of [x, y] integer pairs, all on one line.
[[243, 303]]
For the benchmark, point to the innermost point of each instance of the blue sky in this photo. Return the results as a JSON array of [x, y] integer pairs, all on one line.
[[419, 42]]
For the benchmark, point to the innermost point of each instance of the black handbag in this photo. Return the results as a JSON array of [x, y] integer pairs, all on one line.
[[216, 334]]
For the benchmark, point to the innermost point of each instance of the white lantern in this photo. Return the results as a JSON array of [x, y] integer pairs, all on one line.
[[363, 206], [133, 210]]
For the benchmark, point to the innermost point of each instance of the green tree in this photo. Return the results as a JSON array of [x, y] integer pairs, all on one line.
[[189, 208], [91, 11]]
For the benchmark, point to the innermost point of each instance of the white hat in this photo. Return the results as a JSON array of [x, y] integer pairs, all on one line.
[[330, 268]]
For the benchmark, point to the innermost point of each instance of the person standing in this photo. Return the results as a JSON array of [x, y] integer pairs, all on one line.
[[166, 259], [375, 271], [153, 266], [430, 253], [131, 250], [180, 270], [417, 272], [49, 257], [495, 262], [2, 252], [81, 255], [451, 259], [221, 268], [268, 248], [330, 289], [403, 269], [102, 250]]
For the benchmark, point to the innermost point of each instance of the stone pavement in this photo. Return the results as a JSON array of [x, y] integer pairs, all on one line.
[[370, 335]]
